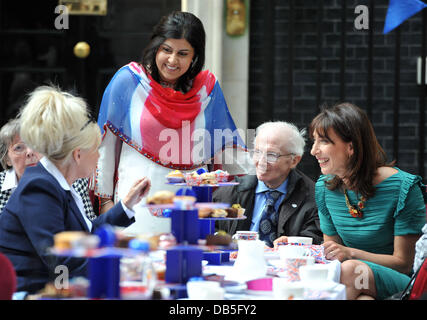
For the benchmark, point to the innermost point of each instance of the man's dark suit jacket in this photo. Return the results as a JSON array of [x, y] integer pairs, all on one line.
[[37, 210], [297, 212]]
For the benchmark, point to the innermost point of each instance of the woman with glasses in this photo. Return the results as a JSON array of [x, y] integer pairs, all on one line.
[[15, 156], [279, 147], [57, 125]]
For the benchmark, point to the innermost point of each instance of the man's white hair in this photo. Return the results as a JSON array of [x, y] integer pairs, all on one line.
[[293, 138]]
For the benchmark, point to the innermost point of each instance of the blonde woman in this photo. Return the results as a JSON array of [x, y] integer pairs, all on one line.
[[57, 125], [15, 157]]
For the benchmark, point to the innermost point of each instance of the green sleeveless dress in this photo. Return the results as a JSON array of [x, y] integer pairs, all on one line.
[[396, 209]]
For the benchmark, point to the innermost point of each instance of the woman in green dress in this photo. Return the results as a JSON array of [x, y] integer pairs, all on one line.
[[371, 213]]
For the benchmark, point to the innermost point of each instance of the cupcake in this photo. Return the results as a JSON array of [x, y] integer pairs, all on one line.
[[221, 176], [175, 177], [209, 178], [193, 179]]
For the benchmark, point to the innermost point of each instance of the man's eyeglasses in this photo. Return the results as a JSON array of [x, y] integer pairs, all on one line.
[[271, 157]]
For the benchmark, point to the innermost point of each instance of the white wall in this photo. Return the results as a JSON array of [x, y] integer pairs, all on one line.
[[227, 57]]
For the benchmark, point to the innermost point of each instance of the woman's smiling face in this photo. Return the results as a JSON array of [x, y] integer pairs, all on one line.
[[173, 59], [332, 153]]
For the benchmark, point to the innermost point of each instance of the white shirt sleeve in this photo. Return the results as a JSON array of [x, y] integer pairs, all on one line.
[[104, 178], [130, 213]]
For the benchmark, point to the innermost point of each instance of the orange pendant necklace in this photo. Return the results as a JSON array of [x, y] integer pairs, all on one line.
[[356, 212]]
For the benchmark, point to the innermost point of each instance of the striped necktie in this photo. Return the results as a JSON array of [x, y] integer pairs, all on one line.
[[269, 217]]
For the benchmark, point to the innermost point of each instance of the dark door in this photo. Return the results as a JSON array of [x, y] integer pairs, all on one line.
[[35, 51]]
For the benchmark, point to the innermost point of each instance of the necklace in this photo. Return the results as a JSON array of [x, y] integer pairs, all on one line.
[[355, 212]]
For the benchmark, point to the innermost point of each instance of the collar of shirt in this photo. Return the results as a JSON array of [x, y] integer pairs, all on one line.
[[260, 200], [54, 171], [10, 180], [261, 187]]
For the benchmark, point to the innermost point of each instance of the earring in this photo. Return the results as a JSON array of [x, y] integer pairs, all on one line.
[[193, 62]]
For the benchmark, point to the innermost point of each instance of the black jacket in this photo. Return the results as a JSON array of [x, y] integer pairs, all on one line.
[[297, 212]]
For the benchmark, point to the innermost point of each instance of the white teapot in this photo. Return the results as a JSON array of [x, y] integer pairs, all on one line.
[[250, 263]]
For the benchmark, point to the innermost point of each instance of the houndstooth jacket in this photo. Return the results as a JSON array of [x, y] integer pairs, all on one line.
[[80, 185]]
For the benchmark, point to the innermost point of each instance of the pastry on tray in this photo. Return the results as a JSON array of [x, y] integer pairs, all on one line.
[[240, 210], [231, 212], [220, 238], [175, 176], [161, 197], [209, 178], [219, 213], [66, 240], [205, 212], [221, 176], [193, 179]]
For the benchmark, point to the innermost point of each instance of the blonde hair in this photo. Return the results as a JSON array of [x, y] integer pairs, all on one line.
[[55, 123]]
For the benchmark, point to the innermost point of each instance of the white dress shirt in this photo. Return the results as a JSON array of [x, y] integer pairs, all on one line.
[[10, 180]]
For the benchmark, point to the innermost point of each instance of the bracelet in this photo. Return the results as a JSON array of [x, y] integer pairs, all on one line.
[[105, 202]]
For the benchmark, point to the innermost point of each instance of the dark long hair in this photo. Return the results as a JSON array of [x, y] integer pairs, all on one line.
[[177, 25], [352, 124]]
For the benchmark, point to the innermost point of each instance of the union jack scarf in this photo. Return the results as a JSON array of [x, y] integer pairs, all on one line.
[[176, 130]]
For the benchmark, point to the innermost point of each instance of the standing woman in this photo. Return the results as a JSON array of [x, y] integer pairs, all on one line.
[[371, 213], [57, 125], [164, 114]]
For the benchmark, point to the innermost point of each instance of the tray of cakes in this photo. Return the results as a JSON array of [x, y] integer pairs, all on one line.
[[83, 244], [218, 178], [235, 212], [162, 202]]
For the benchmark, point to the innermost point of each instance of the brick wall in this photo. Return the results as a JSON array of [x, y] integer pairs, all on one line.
[[306, 91]]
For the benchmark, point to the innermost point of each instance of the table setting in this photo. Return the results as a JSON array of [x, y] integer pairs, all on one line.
[[292, 271]]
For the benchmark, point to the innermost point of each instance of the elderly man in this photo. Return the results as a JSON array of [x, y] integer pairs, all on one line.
[[279, 200]]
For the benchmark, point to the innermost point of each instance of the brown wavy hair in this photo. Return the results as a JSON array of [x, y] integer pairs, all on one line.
[[352, 124]]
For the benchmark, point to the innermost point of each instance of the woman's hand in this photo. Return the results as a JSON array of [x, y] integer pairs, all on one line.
[[335, 251], [282, 239], [138, 190]]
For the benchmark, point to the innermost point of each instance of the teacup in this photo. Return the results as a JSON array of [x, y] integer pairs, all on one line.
[[291, 267], [285, 290], [245, 235], [300, 240], [290, 251]]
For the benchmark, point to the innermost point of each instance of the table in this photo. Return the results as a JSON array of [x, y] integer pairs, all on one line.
[[334, 290]]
